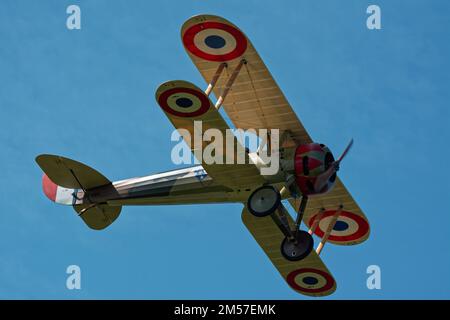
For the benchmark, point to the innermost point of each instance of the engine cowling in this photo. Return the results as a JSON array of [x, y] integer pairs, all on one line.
[[310, 161]]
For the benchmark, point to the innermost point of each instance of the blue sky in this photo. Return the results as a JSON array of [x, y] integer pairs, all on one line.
[[89, 95]]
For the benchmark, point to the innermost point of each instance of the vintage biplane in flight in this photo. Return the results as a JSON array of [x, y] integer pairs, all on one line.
[[251, 98]]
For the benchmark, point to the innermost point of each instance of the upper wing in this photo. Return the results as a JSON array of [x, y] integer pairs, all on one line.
[[187, 107], [255, 100], [308, 276], [351, 227]]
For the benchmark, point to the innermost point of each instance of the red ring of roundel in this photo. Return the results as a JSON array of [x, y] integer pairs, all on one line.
[[291, 280], [203, 99], [363, 227], [241, 41]]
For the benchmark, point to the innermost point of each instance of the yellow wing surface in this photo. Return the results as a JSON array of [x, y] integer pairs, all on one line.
[[351, 227], [255, 100], [193, 115], [308, 276]]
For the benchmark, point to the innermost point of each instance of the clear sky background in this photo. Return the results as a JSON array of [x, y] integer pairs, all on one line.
[[89, 95]]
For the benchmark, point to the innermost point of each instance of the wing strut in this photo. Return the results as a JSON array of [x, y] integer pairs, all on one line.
[[229, 83], [298, 220], [329, 229], [216, 77], [316, 221]]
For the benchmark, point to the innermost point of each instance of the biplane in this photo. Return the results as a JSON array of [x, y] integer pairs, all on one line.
[[243, 86]]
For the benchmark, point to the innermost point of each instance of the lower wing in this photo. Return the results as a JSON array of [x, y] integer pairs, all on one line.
[[308, 276], [351, 227]]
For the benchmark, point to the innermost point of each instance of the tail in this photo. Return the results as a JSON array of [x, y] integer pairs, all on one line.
[[69, 182]]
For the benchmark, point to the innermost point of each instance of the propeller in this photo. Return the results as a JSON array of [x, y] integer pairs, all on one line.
[[334, 167]]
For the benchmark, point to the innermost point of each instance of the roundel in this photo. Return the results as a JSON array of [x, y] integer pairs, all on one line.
[[215, 41], [310, 280], [348, 226], [184, 102]]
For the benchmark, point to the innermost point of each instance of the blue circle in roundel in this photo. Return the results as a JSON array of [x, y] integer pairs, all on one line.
[[183, 102], [310, 281], [215, 42], [340, 225]]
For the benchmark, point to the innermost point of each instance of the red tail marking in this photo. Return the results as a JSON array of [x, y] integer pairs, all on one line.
[[49, 187]]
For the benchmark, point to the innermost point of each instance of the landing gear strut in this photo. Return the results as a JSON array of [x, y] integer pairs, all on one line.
[[266, 201], [298, 243]]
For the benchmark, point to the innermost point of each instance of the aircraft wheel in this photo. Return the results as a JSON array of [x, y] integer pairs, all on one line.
[[297, 251], [264, 201]]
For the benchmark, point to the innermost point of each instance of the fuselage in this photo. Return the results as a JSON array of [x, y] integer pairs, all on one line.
[[181, 186], [191, 185]]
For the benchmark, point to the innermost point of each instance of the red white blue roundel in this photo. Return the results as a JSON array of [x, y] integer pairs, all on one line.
[[348, 226], [184, 102], [215, 41], [310, 280]]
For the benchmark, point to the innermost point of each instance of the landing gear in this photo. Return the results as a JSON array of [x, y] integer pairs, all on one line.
[[264, 201], [297, 244], [298, 248]]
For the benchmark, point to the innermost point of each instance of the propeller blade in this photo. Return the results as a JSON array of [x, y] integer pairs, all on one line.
[[323, 178], [349, 146], [334, 167]]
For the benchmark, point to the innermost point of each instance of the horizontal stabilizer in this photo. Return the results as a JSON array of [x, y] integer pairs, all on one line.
[[98, 217], [69, 173]]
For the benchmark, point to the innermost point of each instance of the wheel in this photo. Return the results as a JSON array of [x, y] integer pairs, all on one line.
[[297, 251], [264, 201]]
